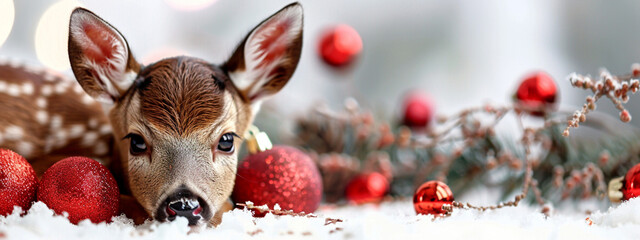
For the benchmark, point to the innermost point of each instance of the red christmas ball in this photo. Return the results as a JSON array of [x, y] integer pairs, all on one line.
[[431, 196], [368, 187], [82, 187], [18, 182], [418, 110], [340, 45], [537, 93], [631, 184], [282, 175]]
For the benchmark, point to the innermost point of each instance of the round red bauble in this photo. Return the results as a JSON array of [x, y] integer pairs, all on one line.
[[418, 110], [537, 93], [18, 182], [282, 175], [368, 187], [82, 187], [340, 45], [631, 184], [431, 196]]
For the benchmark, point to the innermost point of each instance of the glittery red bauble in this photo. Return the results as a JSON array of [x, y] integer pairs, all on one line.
[[418, 110], [368, 187], [631, 185], [282, 175], [430, 197], [340, 45], [537, 91], [18, 182], [82, 187]]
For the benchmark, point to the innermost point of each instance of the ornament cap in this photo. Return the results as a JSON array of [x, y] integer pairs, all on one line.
[[615, 185], [257, 141]]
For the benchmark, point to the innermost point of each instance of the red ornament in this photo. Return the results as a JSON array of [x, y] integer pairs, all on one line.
[[282, 175], [631, 185], [340, 45], [81, 187], [369, 187], [18, 182], [418, 110], [537, 93], [431, 196]]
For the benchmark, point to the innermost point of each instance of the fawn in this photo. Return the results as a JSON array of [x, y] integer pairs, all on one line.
[[172, 129]]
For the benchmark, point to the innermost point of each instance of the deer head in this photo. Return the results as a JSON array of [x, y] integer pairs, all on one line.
[[177, 121]]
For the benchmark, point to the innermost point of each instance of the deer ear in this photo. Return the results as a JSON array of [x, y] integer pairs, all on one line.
[[263, 63], [100, 57]]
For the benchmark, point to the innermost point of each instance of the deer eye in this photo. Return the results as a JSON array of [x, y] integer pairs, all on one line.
[[226, 143], [137, 144]]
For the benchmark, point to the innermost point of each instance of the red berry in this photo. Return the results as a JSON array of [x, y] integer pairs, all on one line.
[[418, 110], [282, 175], [431, 196], [82, 187], [340, 45], [625, 116], [537, 92], [635, 69], [18, 182], [371, 187]]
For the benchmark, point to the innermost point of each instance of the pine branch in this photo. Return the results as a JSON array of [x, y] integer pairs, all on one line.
[[464, 150]]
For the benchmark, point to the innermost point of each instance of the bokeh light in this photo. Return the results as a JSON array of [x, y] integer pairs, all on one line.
[[189, 5], [162, 53], [7, 13], [52, 35]]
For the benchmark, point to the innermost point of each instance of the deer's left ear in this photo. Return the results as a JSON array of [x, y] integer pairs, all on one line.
[[100, 57], [263, 63]]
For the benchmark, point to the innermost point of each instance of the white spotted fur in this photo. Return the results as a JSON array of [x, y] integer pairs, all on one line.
[[13, 133]]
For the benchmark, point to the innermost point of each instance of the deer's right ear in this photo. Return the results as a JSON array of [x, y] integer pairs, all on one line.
[[266, 59], [100, 57]]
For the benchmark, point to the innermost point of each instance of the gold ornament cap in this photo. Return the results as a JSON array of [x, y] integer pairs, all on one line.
[[257, 141], [615, 185]]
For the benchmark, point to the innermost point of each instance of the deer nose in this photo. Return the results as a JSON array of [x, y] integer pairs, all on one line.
[[184, 203], [185, 207]]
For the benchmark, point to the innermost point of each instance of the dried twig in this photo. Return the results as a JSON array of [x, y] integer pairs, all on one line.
[[280, 212]]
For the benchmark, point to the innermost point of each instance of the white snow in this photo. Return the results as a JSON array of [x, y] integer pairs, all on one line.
[[394, 220]]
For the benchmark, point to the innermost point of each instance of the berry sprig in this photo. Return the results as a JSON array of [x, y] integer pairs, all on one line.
[[615, 88]]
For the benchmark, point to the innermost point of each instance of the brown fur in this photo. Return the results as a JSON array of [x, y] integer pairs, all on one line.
[[71, 106], [181, 95]]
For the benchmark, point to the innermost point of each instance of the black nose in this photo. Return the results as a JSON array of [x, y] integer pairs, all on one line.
[[184, 207], [183, 203]]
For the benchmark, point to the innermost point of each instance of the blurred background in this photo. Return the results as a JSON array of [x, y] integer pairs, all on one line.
[[462, 53]]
